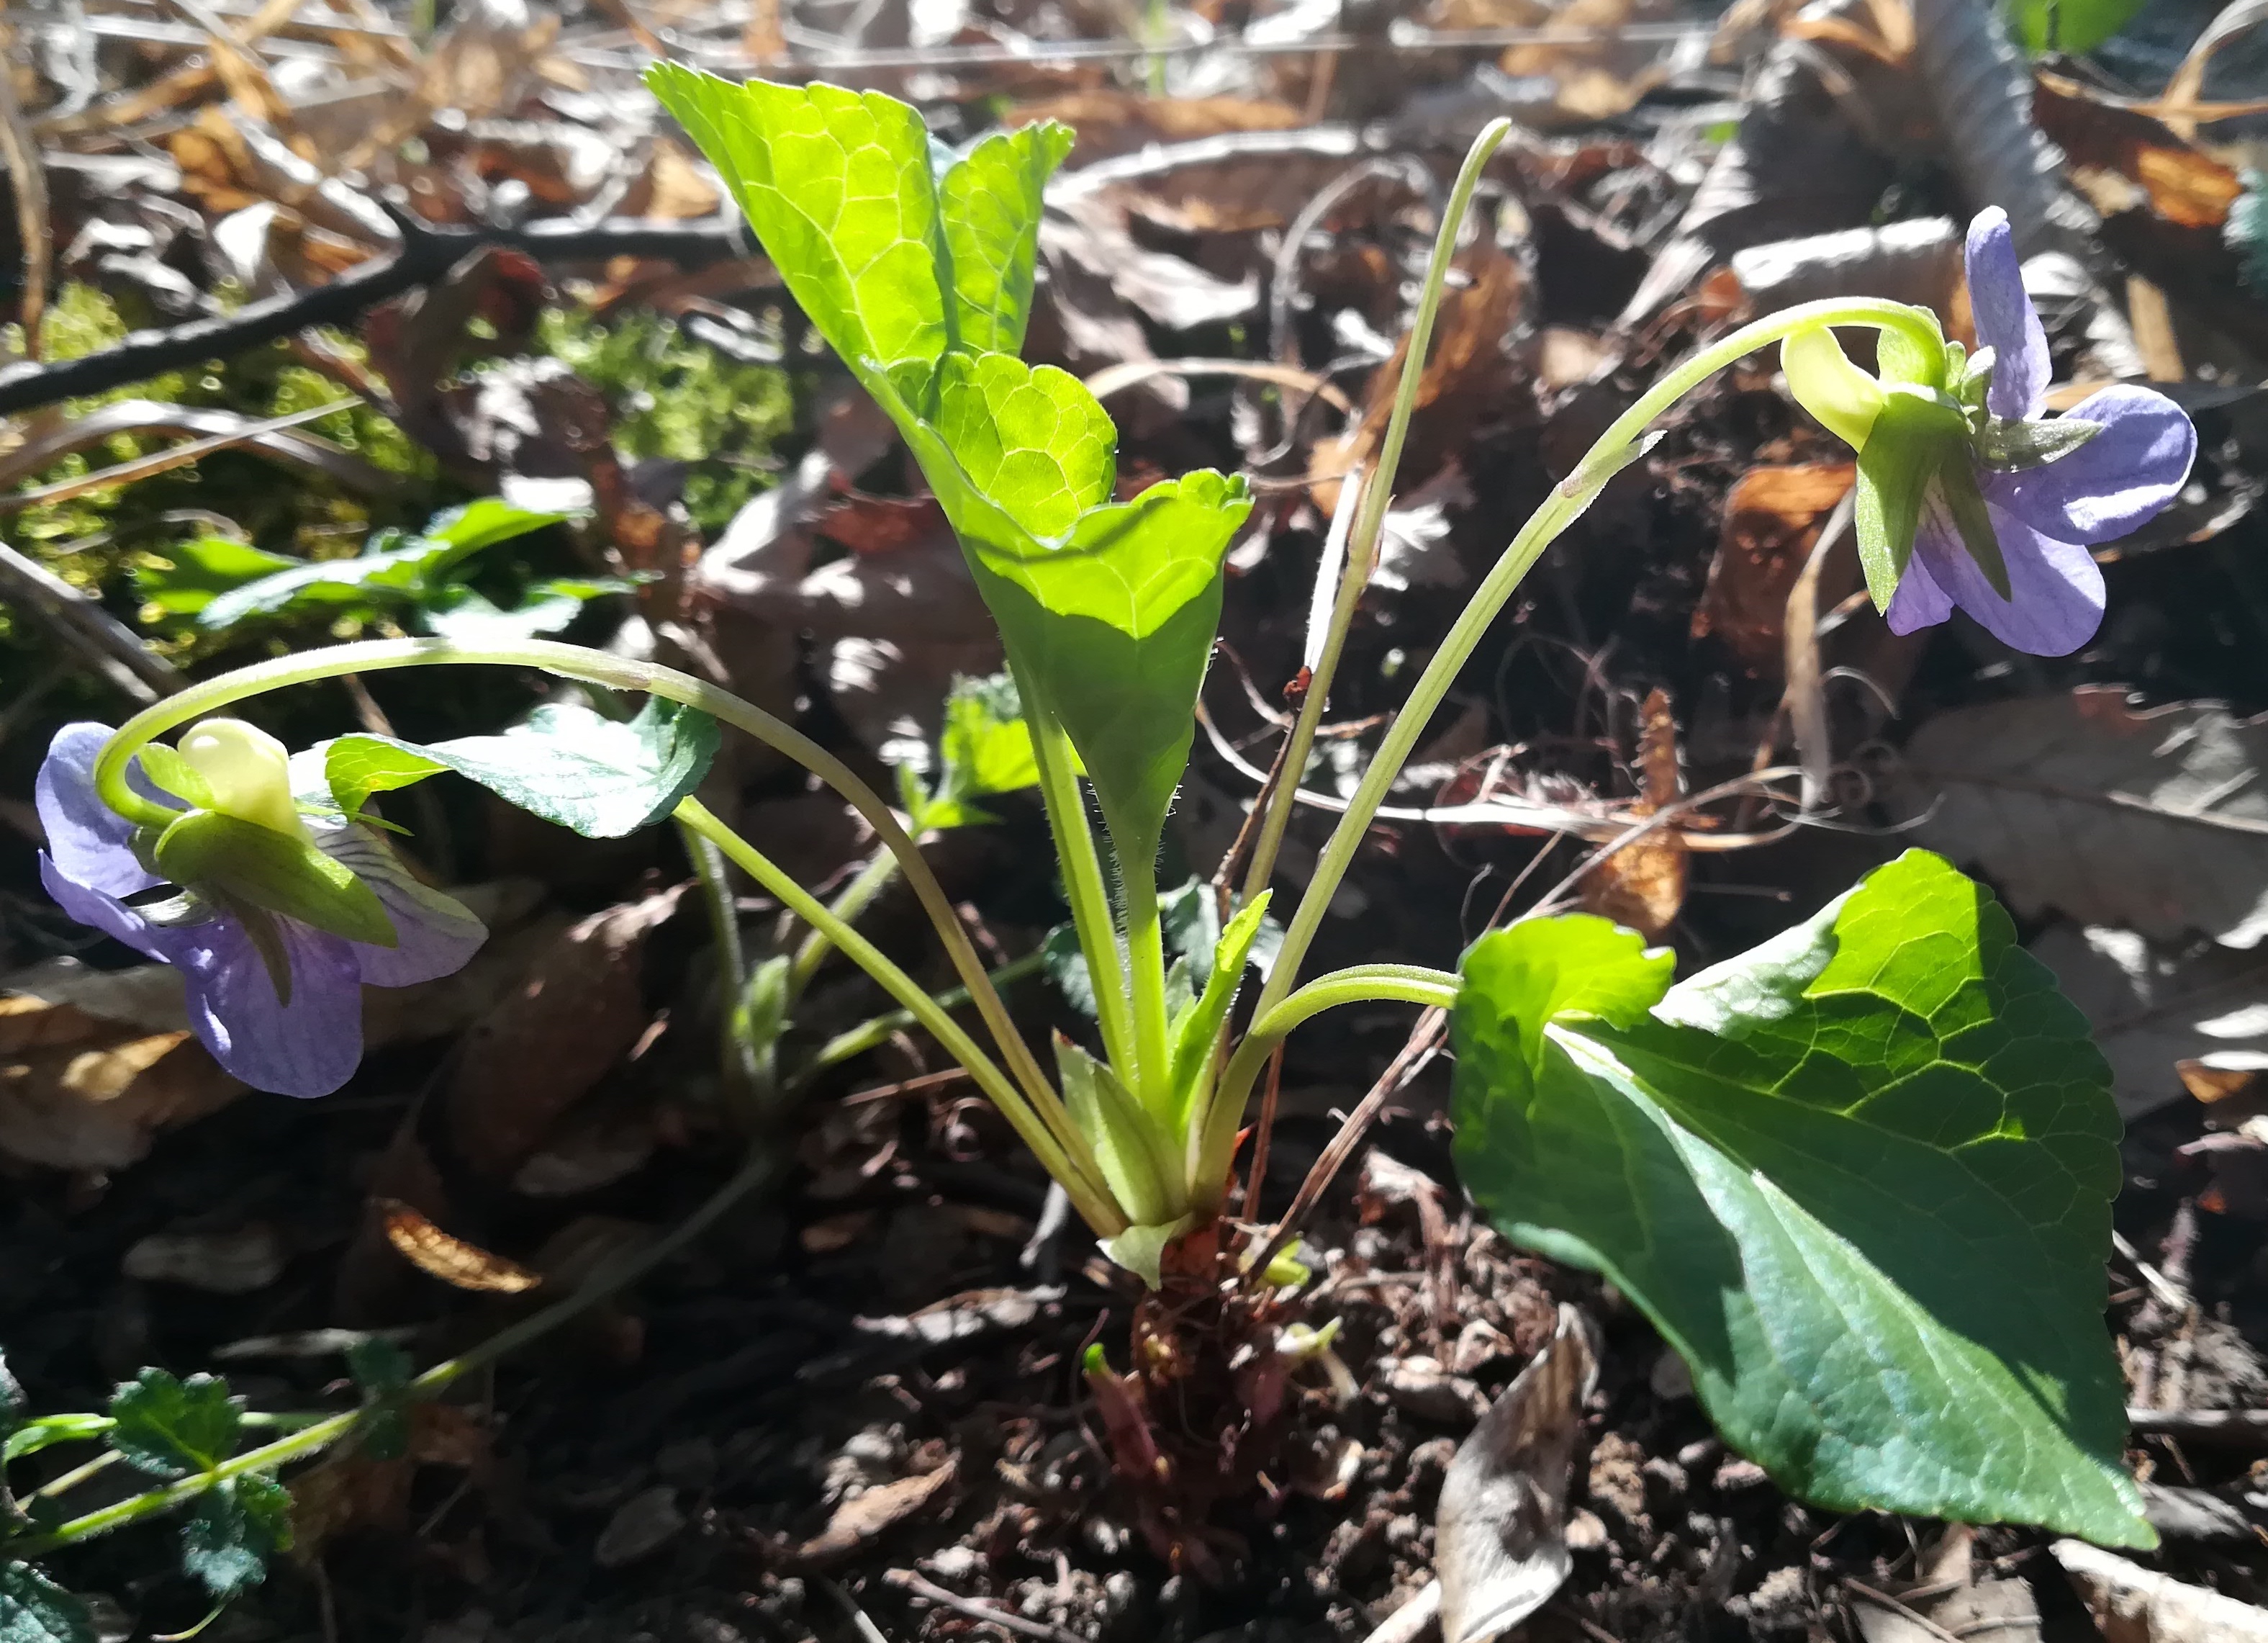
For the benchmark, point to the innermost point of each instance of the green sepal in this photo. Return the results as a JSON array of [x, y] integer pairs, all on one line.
[[257, 867], [1955, 490], [2008, 444], [1901, 358], [1133, 1149], [165, 767], [1197, 1033], [1913, 437], [1139, 1249]]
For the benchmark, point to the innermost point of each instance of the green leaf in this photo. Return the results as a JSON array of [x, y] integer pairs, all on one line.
[[2076, 26], [237, 1526], [172, 1427], [1911, 436], [1140, 1249], [12, 1406], [199, 570], [838, 186], [567, 764], [384, 573], [2246, 231], [208, 851], [34, 1609], [381, 1369], [1138, 1158], [984, 748], [1859, 1176], [459, 613], [29, 1437], [991, 210], [1955, 492], [1196, 1033]]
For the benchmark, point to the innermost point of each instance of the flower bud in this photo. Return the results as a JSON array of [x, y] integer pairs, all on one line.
[[248, 772]]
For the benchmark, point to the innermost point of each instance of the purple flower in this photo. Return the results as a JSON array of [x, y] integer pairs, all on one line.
[[2046, 518], [305, 1044]]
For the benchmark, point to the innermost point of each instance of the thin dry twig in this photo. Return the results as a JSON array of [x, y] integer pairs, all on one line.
[[30, 177], [976, 1609], [1884, 1600], [161, 461], [88, 628]]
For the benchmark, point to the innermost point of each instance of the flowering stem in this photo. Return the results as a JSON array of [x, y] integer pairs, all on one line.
[[575, 661], [1615, 449], [1377, 494], [763, 1165], [855, 898]]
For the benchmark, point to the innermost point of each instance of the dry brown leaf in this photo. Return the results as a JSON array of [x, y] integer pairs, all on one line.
[[1466, 375], [1772, 519], [867, 1516], [2167, 1017], [2133, 1604], [576, 1012], [1643, 884], [675, 187], [1499, 1550], [79, 1091], [459, 1264], [1597, 79], [348, 1490], [239, 1261], [2155, 821], [2184, 184]]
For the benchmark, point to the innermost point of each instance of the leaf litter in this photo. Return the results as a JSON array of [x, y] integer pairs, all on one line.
[[694, 1444]]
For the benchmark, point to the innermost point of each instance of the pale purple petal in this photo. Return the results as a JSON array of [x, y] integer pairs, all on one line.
[[85, 836], [2057, 587], [307, 1047], [1919, 601], [107, 913], [2006, 322], [435, 934], [2115, 482]]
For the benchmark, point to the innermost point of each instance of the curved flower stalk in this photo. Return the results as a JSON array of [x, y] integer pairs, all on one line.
[[281, 914], [1969, 495]]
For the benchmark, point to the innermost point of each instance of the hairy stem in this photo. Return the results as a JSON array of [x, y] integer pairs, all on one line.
[[575, 661], [853, 1041], [1377, 494]]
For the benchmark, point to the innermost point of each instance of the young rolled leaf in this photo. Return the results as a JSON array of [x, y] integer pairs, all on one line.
[[1859, 1176]]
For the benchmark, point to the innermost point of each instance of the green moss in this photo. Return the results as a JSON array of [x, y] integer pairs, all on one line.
[[677, 398]]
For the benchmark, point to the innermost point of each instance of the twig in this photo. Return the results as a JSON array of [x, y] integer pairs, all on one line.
[[88, 629], [1891, 1604], [975, 1609], [30, 177], [1413, 1620], [2220, 1425], [426, 254], [1424, 1039], [868, 1630]]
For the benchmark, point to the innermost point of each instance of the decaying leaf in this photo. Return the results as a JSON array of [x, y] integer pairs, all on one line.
[[868, 1514], [456, 1263], [2165, 1017], [1498, 1550], [577, 1012], [2151, 819], [2133, 1604], [239, 1261], [958, 1317], [2182, 183], [1773, 516], [1111, 121], [1643, 884], [95, 1063], [1947, 1597]]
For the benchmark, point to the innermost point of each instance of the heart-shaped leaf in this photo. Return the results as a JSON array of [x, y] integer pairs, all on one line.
[[1859, 1176]]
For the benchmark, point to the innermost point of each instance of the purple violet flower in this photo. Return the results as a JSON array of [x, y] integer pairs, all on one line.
[[2046, 518], [307, 1044], [2047, 499]]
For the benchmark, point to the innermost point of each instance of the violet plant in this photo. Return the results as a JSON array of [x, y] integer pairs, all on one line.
[[1859, 1176]]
